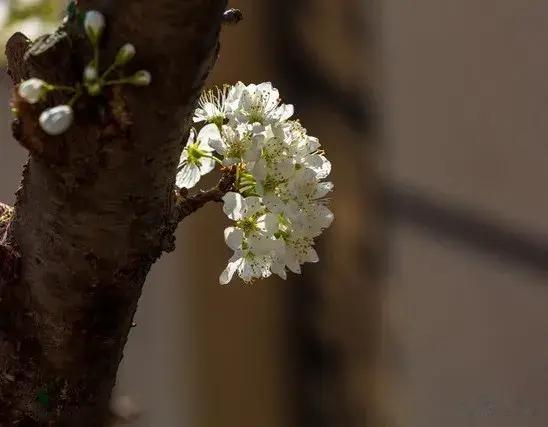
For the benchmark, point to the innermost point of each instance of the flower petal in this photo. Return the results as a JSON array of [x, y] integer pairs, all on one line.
[[311, 255], [218, 145], [188, 176], [234, 205], [234, 237], [274, 203], [292, 263], [268, 223], [279, 269], [209, 133], [233, 265], [319, 164], [284, 112], [206, 165], [253, 205], [323, 189]]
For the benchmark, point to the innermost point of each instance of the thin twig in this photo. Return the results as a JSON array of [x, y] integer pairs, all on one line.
[[187, 204]]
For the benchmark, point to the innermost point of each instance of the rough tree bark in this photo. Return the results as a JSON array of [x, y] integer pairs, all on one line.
[[96, 207]]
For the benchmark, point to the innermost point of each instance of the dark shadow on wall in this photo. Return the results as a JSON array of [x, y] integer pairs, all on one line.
[[328, 360]]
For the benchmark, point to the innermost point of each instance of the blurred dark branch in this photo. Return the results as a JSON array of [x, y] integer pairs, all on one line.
[[307, 77], [325, 357]]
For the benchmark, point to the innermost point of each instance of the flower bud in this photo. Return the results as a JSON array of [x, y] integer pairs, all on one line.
[[56, 120], [94, 88], [125, 54], [141, 78], [33, 90], [90, 73], [94, 24]]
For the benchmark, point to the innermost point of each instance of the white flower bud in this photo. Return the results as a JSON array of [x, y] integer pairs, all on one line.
[[33, 90], [90, 73], [56, 120], [94, 24], [125, 54], [141, 78]]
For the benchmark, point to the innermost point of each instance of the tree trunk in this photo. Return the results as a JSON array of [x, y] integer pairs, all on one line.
[[96, 207]]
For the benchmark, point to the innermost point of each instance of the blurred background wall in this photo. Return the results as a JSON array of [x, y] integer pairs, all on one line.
[[465, 322], [428, 307]]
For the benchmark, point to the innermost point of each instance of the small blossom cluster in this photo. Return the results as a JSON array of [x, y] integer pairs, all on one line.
[[58, 119], [279, 203]]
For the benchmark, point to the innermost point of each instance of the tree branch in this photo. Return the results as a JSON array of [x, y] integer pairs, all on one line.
[[187, 205], [96, 206]]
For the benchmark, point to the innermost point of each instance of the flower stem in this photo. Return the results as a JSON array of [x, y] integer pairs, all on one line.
[[75, 97], [96, 56], [117, 82], [64, 88], [109, 70], [211, 156]]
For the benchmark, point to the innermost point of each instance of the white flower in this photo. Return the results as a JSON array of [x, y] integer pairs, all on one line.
[[286, 151], [94, 23], [301, 201], [299, 249], [237, 207], [252, 238], [248, 265], [305, 205], [217, 105], [33, 90], [252, 222], [253, 257], [305, 187], [236, 144], [261, 104], [312, 219], [196, 159], [56, 120]]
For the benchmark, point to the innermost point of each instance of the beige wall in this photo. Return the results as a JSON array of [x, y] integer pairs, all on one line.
[[466, 98]]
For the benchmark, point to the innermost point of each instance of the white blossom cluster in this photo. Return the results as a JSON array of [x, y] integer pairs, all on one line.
[[279, 200]]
